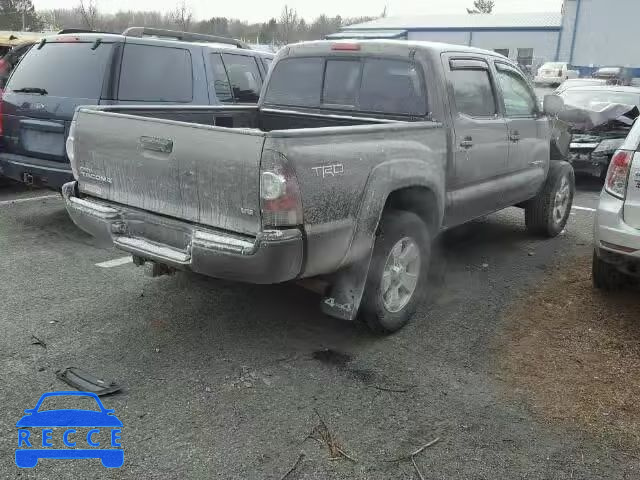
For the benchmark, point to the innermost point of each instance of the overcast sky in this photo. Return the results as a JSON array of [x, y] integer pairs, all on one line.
[[262, 10]]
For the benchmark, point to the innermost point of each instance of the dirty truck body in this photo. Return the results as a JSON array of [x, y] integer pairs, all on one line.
[[348, 144]]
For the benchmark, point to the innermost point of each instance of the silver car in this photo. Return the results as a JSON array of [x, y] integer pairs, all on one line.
[[616, 258]]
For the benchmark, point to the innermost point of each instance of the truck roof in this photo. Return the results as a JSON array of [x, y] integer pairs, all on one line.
[[148, 40], [397, 46]]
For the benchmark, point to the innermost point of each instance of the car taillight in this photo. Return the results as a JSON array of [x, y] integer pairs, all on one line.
[[618, 174], [559, 73], [280, 199], [71, 148]]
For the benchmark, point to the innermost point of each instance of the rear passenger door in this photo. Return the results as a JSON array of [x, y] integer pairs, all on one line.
[[235, 78], [480, 146], [528, 132]]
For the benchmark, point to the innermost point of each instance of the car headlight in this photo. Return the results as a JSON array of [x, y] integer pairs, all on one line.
[[609, 146]]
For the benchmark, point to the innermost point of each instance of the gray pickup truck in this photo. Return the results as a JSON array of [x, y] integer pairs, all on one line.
[[357, 156]]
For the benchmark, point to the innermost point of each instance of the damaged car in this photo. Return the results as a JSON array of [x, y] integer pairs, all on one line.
[[601, 118]]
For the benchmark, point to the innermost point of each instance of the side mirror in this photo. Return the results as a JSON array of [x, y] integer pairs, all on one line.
[[553, 104]]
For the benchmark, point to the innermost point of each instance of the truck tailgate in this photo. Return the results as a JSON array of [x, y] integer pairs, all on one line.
[[202, 174]]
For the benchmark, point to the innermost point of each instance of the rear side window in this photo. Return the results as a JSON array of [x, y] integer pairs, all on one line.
[[296, 82], [64, 69], [244, 77], [156, 74], [365, 84], [473, 92]]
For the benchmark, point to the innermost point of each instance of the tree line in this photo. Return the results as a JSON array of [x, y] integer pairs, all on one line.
[[288, 27]]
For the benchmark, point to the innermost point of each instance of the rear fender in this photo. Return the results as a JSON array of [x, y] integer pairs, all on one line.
[[347, 287]]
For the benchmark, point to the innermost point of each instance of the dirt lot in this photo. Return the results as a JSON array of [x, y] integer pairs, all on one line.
[[575, 352]]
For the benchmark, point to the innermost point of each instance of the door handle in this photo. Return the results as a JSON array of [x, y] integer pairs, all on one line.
[[515, 136], [467, 142]]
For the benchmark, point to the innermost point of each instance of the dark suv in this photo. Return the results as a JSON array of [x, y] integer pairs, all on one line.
[[140, 67]]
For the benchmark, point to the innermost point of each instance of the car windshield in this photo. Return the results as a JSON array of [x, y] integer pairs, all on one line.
[[609, 71], [553, 66], [591, 98], [66, 402]]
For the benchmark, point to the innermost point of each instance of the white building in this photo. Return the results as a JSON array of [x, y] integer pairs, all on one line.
[[587, 33]]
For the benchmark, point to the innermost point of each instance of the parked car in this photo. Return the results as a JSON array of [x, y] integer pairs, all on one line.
[[357, 156], [9, 61], [142, 66], [615, 75], [616, 257], [579, 82], [591, 150], [554, 73]]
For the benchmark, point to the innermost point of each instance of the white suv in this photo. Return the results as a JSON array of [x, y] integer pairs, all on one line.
[[616, 258]]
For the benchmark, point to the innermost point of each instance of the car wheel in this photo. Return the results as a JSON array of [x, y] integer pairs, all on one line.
[[398, 273], [548, 212], [606, 276]]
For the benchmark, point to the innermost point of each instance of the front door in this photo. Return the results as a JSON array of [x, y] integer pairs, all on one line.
[[528, 132], [479, 141]]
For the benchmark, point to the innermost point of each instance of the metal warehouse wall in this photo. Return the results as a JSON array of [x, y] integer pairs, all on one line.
[[606, 33], [457, 38], [544, 43]]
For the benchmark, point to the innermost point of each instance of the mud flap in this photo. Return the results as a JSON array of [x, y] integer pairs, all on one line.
[[346, 291]]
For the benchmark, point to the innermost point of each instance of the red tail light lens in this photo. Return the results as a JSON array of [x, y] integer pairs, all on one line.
[[346, 47], [618, 174], [560, 73], [280, 199]]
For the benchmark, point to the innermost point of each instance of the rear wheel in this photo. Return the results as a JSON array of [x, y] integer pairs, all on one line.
[[606, 276], [398, 273], [548, 212]]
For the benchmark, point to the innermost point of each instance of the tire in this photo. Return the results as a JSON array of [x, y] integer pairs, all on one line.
[[606, 276], [548, 212], [402, 233]]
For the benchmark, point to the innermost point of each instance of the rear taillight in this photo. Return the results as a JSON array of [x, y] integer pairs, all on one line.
[[280, 199], [560, 73], [618, 174], [345, 47], [71, 147]]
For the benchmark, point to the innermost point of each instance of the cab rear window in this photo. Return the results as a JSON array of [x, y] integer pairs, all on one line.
[[374, 85], [64, 69]]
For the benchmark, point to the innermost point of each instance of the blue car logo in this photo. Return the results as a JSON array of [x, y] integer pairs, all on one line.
[[75, 429]]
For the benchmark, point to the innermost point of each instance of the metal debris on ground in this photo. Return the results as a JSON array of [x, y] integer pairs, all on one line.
[[37, 341], [86, 382]]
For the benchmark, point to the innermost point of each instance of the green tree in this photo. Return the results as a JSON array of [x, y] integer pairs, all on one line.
[[482, 6], [19, 15]]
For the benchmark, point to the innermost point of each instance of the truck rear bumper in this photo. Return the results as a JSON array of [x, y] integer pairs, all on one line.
[[273, 256], [35, 171]]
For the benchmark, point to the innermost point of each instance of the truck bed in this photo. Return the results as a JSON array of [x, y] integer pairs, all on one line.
[[202, 165]]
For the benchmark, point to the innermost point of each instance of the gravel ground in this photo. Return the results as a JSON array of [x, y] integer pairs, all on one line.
[[227, 380]]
